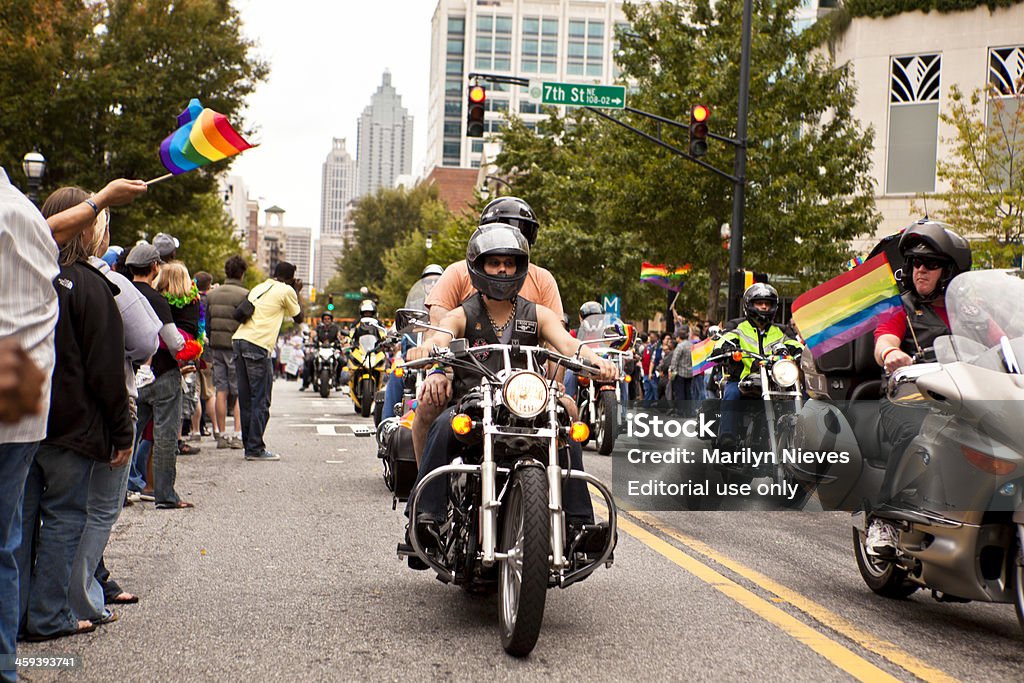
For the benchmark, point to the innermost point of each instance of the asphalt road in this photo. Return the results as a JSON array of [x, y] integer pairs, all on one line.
[[287, 571]]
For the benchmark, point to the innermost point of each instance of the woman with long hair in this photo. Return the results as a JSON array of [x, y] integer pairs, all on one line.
[[181, 292]]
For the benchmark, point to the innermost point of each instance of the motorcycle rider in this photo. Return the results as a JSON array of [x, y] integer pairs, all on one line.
[[326, 332], [456, 285], [498, 257], [755, 333], [589, 308], [393, 389], [933, 255]]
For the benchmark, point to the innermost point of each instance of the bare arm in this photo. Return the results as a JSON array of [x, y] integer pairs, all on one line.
[[69, 223], [454, 320], [895, 358], [437, 314], [552, 332]]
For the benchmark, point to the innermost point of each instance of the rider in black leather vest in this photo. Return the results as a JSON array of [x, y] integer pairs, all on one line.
[[480, 332]]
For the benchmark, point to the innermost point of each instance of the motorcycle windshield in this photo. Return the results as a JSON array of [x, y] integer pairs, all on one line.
[[985, 308], [594, 326], [367, 342], [417, 296]]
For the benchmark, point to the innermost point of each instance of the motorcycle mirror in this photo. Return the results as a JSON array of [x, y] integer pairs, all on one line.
[[406, 316], [419, 325]]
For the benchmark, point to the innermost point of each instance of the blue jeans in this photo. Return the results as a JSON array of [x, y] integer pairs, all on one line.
[[56, 494], [393, 391], [730, 410], [15, 460], [106, 496], [650, 391], [140, 462], [441, 446], [571, 384], [255, 374], [161, 402]]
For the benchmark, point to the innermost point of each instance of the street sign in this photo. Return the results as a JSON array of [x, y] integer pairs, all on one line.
[[354, 296], [611, 303], [579, 94]]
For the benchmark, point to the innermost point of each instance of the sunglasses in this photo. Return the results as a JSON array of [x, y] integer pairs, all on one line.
[[926, 263]]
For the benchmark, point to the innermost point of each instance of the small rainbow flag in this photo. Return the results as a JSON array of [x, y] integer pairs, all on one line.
[[847, 306], [699, 354], [854, 262], [663, 277], [203, 136]]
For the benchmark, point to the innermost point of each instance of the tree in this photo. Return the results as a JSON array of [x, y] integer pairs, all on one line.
[[986, 172], [100, 84], [809, 190]]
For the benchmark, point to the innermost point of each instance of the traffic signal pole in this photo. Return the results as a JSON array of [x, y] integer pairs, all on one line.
[[740, 168]]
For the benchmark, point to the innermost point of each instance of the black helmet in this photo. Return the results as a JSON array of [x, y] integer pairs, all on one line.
[[512, 211], [497, 239], [760, 291], [432, 269], [938, 241], [368, 309], [327, 314], [590, 308]]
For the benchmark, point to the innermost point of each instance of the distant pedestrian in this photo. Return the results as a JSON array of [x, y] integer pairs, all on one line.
[[254, 343]]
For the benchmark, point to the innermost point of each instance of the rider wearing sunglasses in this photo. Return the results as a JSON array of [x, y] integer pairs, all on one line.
[[933, 255]]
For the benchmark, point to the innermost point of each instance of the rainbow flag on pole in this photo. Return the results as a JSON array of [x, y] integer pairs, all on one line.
[[660, 275], [847, 306], [699, 354], [203, 136]]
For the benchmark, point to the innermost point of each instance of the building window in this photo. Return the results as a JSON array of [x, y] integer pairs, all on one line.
[[493, 42], [527, 107], [453, 67], [477, 146], [453, 87], [495, 104], [585, 51], [540, 46], [456, 46], [452, 129], [914, 86], [457, 25], [453, 107], [1006, 84]]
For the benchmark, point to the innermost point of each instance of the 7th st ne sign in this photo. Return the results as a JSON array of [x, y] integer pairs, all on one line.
[[579, 95]]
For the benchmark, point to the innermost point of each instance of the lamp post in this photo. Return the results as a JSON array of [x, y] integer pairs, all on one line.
[[486, 191], [34, 166]]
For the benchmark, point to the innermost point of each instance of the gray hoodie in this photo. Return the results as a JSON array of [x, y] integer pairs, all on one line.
[[141, 326]]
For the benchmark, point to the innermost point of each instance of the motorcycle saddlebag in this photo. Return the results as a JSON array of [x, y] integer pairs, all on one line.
[[402, 461]]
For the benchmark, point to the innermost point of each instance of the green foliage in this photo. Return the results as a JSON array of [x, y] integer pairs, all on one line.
[[985, 173], [607, 199], [888, 8], [99, 85]]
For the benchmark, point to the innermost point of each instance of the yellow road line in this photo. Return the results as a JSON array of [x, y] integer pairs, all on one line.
[[819, 613], [833, 651], [837, 654]]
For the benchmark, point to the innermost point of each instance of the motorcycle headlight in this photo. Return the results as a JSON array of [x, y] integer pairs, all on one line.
[[525, 394], [326, 353], [785, 372]]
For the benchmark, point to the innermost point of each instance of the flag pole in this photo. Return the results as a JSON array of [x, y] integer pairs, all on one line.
[[157, 180]]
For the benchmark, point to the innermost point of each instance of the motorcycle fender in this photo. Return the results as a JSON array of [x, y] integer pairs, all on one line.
[[606, 387]]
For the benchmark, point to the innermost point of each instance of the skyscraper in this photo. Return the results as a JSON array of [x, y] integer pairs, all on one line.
[[550, 40], [384, 146], [338, 188]]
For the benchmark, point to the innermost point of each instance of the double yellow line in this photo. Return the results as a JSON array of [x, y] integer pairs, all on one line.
[[829, 648]]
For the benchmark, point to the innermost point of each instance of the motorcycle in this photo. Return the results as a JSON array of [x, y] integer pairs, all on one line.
[[366, 364], [505, 520], [598, 402], [957, 494], [326, 361], [775, 380]]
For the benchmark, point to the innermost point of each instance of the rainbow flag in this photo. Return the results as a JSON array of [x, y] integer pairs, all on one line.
[[662, 276], [699, 354], [847, 306], [203, 136]]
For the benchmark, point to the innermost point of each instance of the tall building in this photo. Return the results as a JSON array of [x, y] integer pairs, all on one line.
[[325, 260], [384, 145], [338, 189], [554, 40], [286, 243]]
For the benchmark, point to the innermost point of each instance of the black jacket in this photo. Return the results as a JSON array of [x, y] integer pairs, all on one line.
[[89, 401]]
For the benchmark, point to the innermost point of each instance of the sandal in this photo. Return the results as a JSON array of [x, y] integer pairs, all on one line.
[[123, 598], [180, 505]]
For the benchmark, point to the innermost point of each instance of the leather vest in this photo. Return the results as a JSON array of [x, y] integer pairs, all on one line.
[[926, 323], [479, 332]]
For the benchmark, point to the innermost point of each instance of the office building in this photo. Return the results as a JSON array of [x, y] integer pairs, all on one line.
[[339, 187], [384, 144]]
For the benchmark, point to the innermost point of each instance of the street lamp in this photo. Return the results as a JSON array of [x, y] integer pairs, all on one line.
[[429, 241], [34, 166], [485, 191]]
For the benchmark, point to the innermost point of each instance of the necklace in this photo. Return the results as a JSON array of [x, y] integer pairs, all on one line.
[[511, 317]]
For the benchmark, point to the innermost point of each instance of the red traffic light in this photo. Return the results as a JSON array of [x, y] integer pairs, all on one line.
[[699, 113], [477, 94]]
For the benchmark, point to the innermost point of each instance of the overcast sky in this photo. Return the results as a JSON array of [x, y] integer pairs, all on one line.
[[326, 59]]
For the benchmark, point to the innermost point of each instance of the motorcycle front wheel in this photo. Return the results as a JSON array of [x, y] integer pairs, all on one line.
[[607, 409], [325, 383], [366, 391], [523, 580], [884, 577]]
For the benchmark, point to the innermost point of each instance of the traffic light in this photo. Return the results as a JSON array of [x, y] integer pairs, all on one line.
[[330, 302], [699, 130], [312, 295], [475, 109]]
